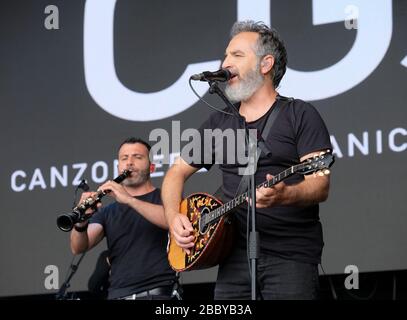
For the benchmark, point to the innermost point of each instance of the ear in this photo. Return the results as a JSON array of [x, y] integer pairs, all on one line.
[[266, 64], [152, 167]]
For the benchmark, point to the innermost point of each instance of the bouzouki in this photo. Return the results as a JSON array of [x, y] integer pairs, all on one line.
[[211, 221]]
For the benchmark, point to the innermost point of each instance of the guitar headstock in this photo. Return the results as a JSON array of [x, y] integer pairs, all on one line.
[[319, 164]]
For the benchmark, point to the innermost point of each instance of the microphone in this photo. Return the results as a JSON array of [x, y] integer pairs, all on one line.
[[221, 75], [83, 185]]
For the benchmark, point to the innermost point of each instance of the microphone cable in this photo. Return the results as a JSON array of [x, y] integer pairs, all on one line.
[[331, 285], [207, 103]]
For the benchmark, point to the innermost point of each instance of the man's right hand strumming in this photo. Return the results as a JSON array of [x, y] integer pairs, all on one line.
[[173, 183], [182, 231]]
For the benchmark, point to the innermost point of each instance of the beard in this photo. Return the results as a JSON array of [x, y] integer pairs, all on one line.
[[137, 178], [246, 87]]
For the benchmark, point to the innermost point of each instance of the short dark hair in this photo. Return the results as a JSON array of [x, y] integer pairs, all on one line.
[[269, 42], [133, 140]]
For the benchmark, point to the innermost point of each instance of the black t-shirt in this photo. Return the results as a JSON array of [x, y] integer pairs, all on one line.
[[290, 232], [137, 248], [98, 283]]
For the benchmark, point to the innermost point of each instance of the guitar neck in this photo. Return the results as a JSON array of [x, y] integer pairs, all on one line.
[[235, 202]]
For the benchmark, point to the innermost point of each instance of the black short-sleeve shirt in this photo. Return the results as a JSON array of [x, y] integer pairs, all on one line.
[[290, 232], [137, 248]]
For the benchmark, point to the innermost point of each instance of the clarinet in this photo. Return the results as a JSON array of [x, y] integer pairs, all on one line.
[[66, 221]]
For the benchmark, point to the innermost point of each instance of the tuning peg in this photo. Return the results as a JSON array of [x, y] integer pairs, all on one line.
[[327, 172], [320, 173]]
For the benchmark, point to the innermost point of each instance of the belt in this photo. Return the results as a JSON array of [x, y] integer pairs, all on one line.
[[159, 291]]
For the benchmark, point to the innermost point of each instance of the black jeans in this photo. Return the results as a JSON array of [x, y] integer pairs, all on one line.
[[277, 278]]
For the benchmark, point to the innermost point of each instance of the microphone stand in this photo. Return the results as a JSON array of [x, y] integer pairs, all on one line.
[[61, 295], [251, 189]]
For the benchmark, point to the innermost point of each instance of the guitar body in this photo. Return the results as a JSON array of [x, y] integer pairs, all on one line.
[[211, 246]]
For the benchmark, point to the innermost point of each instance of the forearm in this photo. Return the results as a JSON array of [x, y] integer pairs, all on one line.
[[310, 191], [152, 212], [79, 242], [172, 188]]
